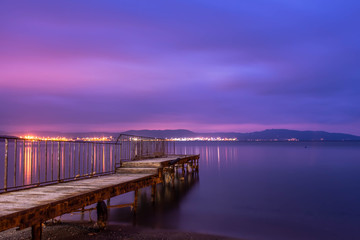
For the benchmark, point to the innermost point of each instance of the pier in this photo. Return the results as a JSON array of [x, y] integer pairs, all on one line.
[[81, 174]]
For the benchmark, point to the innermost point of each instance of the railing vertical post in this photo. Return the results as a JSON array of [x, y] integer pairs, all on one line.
[[23, 165], [114, 156], [103, 148], [6, 164], [98, 156], [59, 165], [163, 147], [141, 148], [46, 161], [63, 160], [69, 165], [38, 161], [83, 157], [79, 158], [74, 159], [109, 162], [88, 158], [15, 161], [31, 160], [120, 154], [52, 161], [129, 149], [92, 160]]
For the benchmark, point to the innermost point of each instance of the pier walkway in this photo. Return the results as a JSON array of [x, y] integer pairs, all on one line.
[[31, 207]]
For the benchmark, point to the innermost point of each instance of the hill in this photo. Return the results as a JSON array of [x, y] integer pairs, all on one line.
[[266, 135]]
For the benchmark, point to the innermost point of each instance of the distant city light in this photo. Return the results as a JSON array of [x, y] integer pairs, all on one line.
[[183, 139], [60, 138], [110, 138], [208, 139]]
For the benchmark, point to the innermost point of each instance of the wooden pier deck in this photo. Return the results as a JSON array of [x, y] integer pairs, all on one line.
[[31, 207]]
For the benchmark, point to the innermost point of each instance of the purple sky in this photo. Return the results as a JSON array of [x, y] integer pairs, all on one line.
[[199, 64]]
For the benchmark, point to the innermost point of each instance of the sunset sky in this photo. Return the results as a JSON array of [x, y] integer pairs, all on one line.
[[201, 65]]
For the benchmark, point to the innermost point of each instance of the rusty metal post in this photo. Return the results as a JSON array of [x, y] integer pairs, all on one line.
[[59, 165], [74, 161], [141, 148], [83, 158], [153, 193], [88, 158], [101, 156], [102, 214], [189, 166], [129, 149], [114, 156], [96, 160], [135, 200], [52, 161], [15, 161], [6, 164], [120, 154], [172, 168], [63, 160], [79, 158], [23, 165], [46, 159], [38, 162], [69, 164], [36, 231], [98, 150], [31, 160], [92, 160]]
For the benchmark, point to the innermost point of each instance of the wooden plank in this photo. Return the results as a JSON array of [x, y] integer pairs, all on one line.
[[50, 208], [137, 170]]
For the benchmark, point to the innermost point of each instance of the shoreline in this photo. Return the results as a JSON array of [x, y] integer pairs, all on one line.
[[76, 230]]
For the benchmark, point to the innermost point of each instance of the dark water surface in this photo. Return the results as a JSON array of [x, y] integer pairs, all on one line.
[[259, 191]]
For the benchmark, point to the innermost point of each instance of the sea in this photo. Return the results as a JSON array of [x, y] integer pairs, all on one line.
[[255, 191]]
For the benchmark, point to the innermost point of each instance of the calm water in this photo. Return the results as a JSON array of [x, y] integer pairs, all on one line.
[[260, 191]]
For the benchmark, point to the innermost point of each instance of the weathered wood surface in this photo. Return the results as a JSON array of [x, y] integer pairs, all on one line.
[[134, 170], [159, 162], [23, 208], [28, 207]]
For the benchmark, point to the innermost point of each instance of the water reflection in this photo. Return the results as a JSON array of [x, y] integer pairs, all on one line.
[[28, 162], [159, 214], [34, 162]]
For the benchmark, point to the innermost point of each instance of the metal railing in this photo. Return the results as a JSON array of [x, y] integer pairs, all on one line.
[[30, 163], [138, 147]]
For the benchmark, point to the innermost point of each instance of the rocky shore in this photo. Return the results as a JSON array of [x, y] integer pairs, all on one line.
[[85, 231]]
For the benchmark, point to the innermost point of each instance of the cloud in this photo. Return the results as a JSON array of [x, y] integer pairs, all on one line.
[[233, 64]]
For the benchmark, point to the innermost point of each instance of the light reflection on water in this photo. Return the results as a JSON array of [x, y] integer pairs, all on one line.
[[32, 160]]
